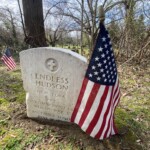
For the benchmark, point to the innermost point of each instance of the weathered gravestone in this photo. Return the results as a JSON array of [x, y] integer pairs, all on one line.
[[52, 78]]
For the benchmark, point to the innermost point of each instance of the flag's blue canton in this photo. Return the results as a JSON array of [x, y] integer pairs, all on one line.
[[7, 53], [102, 67]]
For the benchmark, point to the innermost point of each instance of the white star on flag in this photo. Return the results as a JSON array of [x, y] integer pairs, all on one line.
[[100, 49], [96, 73], [103, 55], [103, 39], [90, 75], [93, 67], [96, 59], [106, 45], [99, 64]]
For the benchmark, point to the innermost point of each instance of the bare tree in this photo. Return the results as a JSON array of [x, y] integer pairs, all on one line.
[[74, 9], [84, 14], [83, 17], [9, 26], [55, 29], [21, 17]]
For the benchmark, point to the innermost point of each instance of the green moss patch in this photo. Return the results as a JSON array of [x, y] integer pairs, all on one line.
[[132, 117]]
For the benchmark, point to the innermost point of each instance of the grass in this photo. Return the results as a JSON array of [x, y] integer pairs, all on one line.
[[12, 139], [17, 132]]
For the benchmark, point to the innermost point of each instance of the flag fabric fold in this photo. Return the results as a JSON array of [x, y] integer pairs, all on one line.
[[8, 60], [100, 93]]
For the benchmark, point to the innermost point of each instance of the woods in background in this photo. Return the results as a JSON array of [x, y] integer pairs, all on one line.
[[61, 22]]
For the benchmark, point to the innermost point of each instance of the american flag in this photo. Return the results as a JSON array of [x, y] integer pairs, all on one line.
[[8, 60], [100, 93]]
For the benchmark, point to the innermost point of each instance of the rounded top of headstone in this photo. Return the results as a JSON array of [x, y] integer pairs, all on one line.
[[67, 51]]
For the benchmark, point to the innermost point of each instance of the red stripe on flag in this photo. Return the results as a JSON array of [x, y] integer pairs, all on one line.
[[98, 111], [10, 63], [116, 91], [109, 127], [109, 123], [5, 59], [117, 98], [84, 84], [89, 103], [115, 104], [98, 135]]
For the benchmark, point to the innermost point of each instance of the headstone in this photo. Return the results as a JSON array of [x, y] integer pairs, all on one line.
[[52, 79]]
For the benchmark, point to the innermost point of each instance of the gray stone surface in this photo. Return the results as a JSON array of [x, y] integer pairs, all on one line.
[[52, 78]]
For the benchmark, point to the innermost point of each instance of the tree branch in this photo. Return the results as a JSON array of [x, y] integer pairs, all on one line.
[[23, 26]]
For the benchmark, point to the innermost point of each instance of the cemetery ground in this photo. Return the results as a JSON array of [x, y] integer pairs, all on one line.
[[18, 132]]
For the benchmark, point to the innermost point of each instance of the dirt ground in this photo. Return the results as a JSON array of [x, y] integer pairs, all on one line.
[[18, 132]]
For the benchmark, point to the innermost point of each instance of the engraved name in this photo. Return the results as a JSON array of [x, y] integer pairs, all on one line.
[[55, 79], [50, 81]]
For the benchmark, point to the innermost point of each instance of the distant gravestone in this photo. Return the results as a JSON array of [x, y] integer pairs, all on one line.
[[52, 78]]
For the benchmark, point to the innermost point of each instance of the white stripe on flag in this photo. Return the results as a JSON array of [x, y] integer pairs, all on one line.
[[87, 92], [9, 62], [107, 119], [115, 104], [112, 110], [100, 119], [113, 132], [5, 59], [13, 62], [93, 108]]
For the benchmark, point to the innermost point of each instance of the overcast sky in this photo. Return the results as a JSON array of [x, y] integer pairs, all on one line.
[[13, 5], [9, 3]]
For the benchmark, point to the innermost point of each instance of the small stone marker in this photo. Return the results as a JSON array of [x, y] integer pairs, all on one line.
[[52, 78]]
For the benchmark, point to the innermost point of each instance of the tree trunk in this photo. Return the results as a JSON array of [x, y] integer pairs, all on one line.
[[34, 23], [129, 25]]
